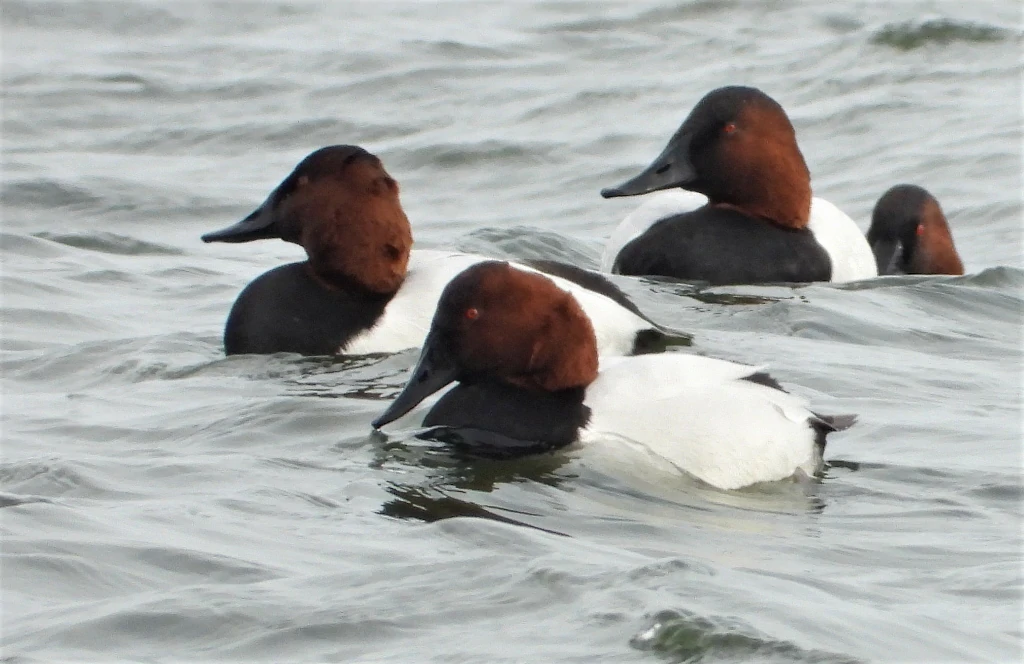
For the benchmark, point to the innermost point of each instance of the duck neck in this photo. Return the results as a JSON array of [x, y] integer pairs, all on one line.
[[779, 193], [345, 283]]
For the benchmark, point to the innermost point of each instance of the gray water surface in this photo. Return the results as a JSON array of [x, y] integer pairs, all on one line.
[[162, 503]]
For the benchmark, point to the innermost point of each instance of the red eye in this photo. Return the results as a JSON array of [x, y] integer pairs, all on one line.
[[920, 229], [729, 127], [472, 313]]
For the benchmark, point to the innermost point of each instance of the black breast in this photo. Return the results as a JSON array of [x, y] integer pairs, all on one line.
[[499, 420], [286, 310], [723, 246]]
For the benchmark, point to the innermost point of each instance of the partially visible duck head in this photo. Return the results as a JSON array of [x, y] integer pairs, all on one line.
[[498, 323], [909, 234], [738, 148], [342, 207]]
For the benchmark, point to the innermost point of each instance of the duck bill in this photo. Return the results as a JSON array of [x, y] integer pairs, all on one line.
[[435, 370], [672, 168], [887, 256], [260, 225]]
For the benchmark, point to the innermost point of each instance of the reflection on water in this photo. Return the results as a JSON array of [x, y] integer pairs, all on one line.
[[431, 504], [456, 466]]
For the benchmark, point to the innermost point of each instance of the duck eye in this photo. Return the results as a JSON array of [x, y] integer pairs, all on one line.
[[920, 229], [729, 127], [472, 313]]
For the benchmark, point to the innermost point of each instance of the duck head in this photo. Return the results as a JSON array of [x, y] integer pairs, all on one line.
[[909, 234], [343, 208], [497, 323], [738, 148]]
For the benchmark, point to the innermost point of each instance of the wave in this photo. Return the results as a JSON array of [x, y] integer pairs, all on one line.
[[47, 193], [111, 243], [122, 18], [915, 34], [687, 637], [474, 154]]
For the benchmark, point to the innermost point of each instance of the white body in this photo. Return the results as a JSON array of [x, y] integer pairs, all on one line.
[[697, 414], [849, 250], [407, 317], [838, 234]]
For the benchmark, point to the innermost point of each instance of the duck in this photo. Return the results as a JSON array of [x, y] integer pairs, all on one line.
[[909, 234], [362, 288], [528, 379], [747, 215]]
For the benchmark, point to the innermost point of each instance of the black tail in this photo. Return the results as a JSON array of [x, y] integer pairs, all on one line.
[[826, 424], [836, 422]]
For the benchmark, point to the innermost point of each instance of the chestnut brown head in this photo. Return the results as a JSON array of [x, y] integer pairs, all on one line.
[[909, 234], [343, 208], [498, 323], [738, 148]]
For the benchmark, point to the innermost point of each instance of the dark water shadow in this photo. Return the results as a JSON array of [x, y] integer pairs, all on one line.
[[13, 500], [431, 504], [704, 292], [451, 468], [452, 464]]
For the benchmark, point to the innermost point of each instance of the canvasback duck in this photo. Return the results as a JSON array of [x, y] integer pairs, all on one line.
[[362, 289], [525, 359], [748, 216], [909, 234]]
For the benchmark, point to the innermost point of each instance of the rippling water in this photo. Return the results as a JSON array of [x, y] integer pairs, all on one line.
[[163, 503]]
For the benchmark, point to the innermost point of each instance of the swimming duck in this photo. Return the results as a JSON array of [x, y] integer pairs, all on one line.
[[909, 234], [525, 359], [748, 216], [362, 288]]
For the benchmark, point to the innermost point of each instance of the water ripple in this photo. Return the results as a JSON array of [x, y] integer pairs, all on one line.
[[162, 502], [682, 636], [915, 34]]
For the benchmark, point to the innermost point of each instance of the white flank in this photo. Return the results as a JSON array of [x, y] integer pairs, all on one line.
[[697, 413], [846, 245]]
